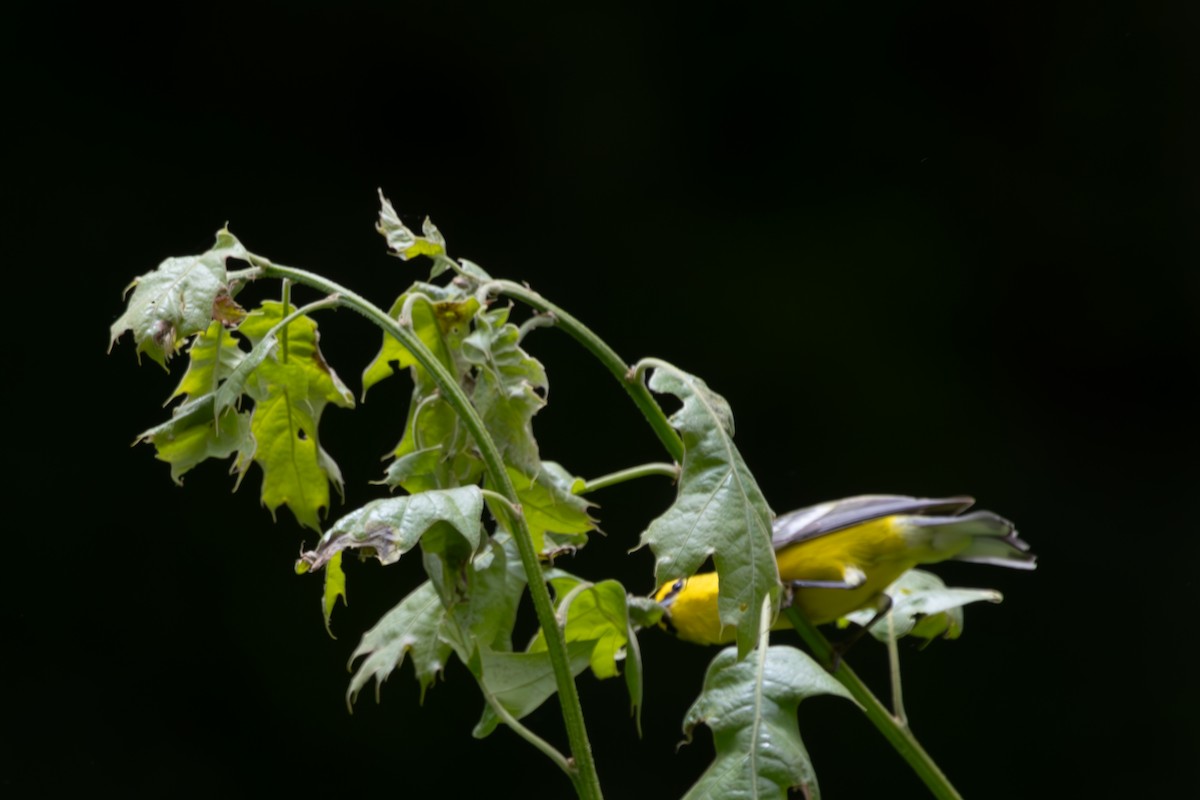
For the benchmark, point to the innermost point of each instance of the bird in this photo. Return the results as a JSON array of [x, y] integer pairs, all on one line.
[[839, 556]]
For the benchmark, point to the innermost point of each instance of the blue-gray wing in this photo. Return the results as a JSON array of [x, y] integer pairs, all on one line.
[[836, 515]]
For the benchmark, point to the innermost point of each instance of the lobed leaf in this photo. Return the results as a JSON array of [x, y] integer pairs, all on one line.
[[750, 706], [185, 441], [177, 299], [303, 339], [719, 511], [507, 387], [410, 629], [290, 393]]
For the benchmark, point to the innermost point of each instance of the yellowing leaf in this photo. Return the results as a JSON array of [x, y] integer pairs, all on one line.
[[285, 435], [439, 319], [335, 587], [213, 356], [290, 391]]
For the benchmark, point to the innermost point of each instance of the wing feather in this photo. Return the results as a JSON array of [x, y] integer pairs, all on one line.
[[836, 515]]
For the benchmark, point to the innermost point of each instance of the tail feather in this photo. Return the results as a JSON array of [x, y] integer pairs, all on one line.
[[994, 540]]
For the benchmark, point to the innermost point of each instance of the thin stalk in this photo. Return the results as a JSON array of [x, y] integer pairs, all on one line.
[[897, 734], [640, 471], [634, 386], [582, 765], [287, 309], [564, 605], [894, 671], [541, 744]]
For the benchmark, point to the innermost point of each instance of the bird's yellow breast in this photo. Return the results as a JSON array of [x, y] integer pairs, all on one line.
[[877, 549]]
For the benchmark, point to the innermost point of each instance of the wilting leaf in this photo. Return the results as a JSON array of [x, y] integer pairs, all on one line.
[[176, 300], [411, 628], [440, 317], [392, 526], [407, 244], [507, 388]]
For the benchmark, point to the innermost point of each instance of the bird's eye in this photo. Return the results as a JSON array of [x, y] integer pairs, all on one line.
[[678, 585]]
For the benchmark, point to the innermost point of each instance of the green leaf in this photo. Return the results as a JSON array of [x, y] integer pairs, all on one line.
[[176, 300], [392, 526], [719, 511], [495, 584], [411, 628], [922, 606], [507, 388], [212, 357], [750, 706], [185, 441], [335, 587], [407, 244], [596, 614], [521, 682], [549, 506]]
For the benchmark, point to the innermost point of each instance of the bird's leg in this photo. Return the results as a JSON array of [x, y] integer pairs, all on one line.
[[883, 604]]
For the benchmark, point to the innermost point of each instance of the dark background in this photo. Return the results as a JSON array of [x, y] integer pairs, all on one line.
[[921, 248]]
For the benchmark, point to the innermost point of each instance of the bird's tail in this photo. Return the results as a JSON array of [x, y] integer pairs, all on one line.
[[991, 539]]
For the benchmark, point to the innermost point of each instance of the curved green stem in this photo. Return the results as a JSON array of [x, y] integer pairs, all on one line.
[[634, 386], [897, 734], [582, 765], [620, 476]]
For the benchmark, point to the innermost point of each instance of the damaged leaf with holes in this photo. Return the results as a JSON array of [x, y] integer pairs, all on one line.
[[290, 389]]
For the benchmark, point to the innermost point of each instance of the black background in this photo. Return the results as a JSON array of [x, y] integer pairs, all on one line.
[[921, 248]]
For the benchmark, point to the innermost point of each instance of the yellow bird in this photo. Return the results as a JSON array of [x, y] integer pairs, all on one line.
[[838, 557]]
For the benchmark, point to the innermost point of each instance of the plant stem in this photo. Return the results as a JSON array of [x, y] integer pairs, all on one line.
[[582, 768], [897, 733], [607, 356], [640, 471]]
